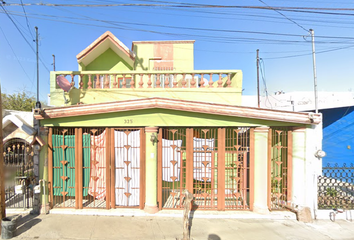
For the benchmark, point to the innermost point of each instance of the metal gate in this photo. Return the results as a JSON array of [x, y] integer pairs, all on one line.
[[96, 167], [237, 169], [63, 173], [212, 163], [94, 172], [205, 168], [127, 162], [279, 168], [19, 174], [171, 167]]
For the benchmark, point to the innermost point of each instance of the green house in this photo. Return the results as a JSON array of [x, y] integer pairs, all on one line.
[[136, 128]]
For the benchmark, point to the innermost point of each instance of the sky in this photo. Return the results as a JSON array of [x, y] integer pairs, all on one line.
[[226, 38]]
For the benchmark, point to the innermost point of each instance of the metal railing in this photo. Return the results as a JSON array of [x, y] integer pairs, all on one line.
[[336, 187]]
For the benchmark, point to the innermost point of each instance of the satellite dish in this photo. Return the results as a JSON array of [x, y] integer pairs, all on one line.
[[64, 84]]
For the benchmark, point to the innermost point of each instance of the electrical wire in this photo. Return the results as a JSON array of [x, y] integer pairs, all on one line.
[[285, 16], [19, 30], [226, 39], [198, 29], [15, 55], [226, 15], [27, 22], [306, 54], [262, 69], [181, 5]]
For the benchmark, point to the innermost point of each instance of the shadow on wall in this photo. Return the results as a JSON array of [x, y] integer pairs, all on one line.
[[139, 61]]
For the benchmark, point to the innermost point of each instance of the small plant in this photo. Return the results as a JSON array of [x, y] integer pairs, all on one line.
[[332, 192], [276, 186]]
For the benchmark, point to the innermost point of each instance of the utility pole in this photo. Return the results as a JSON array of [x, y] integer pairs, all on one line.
[[38, 104], [258, 97], [314, 68], [53, 62], [2, 178]]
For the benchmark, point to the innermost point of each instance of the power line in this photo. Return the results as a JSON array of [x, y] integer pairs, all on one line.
[[23, 36], [180, 5], [8, 15], [307, 54], [198, 29], [262, 69], [251, 40], [209, 38], [226, 15], [285, 16], [27, 22], [166, 26], [13, 51], [229, 39]]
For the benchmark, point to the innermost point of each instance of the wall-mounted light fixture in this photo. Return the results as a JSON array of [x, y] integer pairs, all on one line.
[[320, 154], [153, 138]]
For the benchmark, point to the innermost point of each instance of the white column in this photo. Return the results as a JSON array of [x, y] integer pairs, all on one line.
[[299, 166], [260, 170]]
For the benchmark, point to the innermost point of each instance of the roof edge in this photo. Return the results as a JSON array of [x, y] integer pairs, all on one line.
[[163, 41], [100, 39], [19, 123], [180, 105]]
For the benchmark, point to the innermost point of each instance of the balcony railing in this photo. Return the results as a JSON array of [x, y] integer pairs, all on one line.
[[151, 79]]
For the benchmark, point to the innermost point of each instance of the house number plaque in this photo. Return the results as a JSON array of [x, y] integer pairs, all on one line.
[[127, 121]]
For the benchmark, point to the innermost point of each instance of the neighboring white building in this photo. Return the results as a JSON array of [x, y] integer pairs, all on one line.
[[17, 124], [301, 101]]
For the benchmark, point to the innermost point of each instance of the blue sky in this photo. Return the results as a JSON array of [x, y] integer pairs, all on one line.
[[65, 31]]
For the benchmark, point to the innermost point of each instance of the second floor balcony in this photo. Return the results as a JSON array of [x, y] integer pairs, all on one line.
[[214, 86]]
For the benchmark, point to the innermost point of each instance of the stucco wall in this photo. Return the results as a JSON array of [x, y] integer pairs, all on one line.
[[212, 95], [183, 55], [306, 166], [108, 61]]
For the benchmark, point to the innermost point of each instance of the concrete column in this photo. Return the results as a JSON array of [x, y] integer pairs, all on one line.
[[151, 170], [299, 166], [313, 165], [260, 170], [41, 204]]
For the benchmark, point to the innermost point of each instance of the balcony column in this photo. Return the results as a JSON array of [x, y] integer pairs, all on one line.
[[260, 170], [151, 170]]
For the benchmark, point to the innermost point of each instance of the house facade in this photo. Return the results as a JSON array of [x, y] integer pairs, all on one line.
[[135, 128]]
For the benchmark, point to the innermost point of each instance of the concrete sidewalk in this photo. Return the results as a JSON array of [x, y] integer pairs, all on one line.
[[56, 226]]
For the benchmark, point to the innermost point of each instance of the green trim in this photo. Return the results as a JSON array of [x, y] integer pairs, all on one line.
[[69, 168]]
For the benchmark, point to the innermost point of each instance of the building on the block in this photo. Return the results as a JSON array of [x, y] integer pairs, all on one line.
[[134, 128]]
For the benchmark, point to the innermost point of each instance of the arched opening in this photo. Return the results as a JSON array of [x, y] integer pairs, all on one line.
[[19, 173]]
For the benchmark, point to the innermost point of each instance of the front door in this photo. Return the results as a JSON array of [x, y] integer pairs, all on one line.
[[127, 164]]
